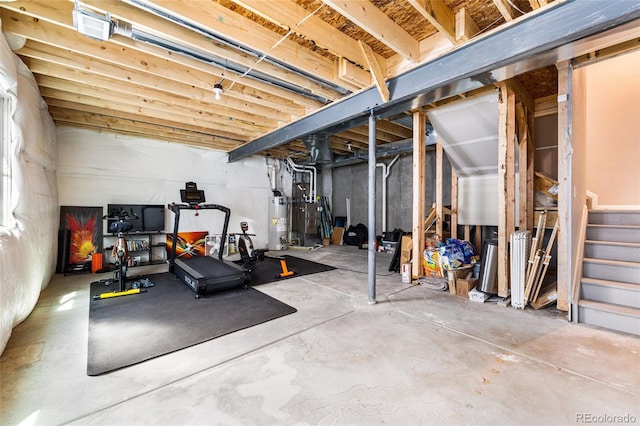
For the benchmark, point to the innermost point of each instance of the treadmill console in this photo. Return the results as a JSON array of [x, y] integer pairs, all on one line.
[[191, 194]]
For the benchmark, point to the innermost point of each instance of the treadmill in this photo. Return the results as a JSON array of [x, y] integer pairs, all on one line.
[[204, 274]]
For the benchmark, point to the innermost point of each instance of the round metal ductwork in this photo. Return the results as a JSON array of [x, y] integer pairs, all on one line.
[[319, 148]]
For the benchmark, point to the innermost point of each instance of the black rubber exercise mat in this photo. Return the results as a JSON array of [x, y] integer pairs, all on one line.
[[266, 271], [126, 330]]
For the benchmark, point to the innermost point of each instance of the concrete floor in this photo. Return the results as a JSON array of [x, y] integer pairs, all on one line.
[[418, 356]]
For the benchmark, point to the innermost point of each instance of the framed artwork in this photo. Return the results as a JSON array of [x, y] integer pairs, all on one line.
[[83, 229], [189, 244]]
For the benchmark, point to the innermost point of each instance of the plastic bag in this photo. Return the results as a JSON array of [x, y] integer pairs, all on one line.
[[457, 253], [431, 263]]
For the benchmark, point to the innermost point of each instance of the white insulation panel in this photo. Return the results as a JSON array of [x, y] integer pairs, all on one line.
[[468, 132]]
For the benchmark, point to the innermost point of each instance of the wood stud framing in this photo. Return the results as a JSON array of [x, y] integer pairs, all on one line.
[[506, 182], [419, 171], [564, 180], [439, 195], [454, 203]]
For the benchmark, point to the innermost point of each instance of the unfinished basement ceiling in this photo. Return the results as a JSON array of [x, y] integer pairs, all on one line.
[[276, 62]]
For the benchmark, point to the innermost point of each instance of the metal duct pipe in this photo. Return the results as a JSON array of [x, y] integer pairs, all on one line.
[[272, 172], [319, 147], [385, 174], [227, 65], [371, 246]]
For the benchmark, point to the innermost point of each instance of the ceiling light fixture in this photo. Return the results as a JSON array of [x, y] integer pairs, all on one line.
[[94, 25], [217, 89]]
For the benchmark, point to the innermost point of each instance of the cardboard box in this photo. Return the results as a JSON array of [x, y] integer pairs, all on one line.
[[406, 244], [465, 285], [405, 270], [452, 277], [336, 237]]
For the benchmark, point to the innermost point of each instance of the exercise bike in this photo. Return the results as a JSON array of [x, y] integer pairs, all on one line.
[[120, 252], [248, 254]]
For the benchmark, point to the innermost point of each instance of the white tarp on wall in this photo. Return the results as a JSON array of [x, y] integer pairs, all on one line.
[[28, 246], [468, 131], [97, 169]]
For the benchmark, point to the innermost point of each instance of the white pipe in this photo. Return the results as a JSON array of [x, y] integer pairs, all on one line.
[[386, 169], [312, 177], [271, 173], [313, 184]]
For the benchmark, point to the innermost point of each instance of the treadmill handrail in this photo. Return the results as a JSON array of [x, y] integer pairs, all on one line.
[[175, 207]]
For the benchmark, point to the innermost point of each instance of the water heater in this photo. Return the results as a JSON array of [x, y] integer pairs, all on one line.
[[279, 223]]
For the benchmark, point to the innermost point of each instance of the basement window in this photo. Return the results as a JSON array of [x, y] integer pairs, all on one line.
[[6, 218]]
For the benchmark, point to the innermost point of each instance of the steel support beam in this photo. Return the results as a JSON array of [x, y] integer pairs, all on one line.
[[371, 240], [547, 37]]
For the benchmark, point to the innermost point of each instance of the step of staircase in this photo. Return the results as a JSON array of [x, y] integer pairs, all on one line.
[[611, 270], [612, 250], [613, 317], [610, 287], [614, 217], [616, 233], [615, 292]]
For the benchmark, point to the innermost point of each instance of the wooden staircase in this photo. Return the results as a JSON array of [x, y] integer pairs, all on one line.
[[610, 286]]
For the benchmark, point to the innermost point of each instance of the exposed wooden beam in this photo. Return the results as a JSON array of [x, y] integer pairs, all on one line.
[[371, 19], [608, 52], [376, 71], [439, 15], [103, 100], [355, 140], [132, 133], [174, 122], [232, 26], [393, 128], [430, 48], [523, 95], [465, 26], [535, 4], [290, 16], [353, 73], [546, 106], [71, 76], [132, 126], [57, 12], [381, 135], [185, 37], [161, 63], [54, 79], [506, 10]]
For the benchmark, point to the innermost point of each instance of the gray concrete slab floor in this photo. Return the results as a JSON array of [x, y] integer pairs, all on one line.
[[416, 357]]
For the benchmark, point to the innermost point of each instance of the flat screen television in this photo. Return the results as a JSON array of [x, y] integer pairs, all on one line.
[[150, 216]]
